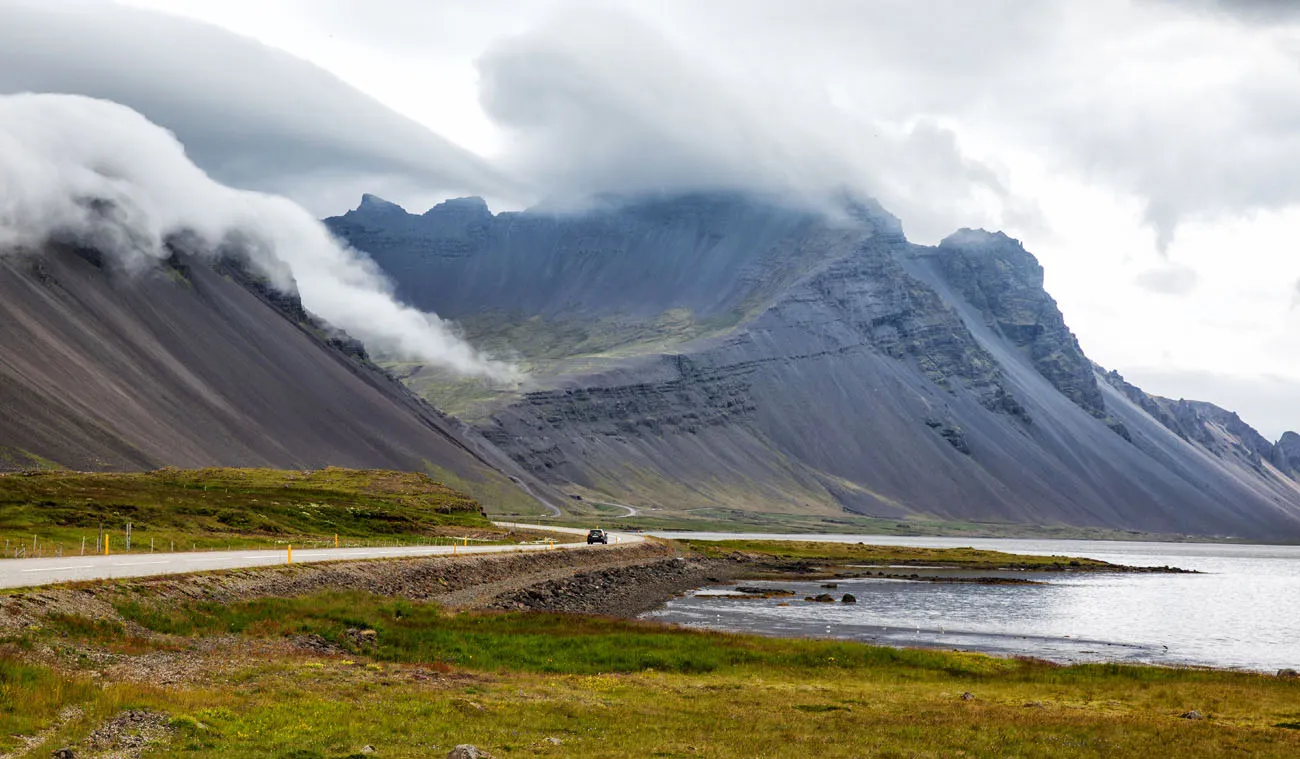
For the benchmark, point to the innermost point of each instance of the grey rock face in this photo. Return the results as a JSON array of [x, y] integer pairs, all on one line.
[[1215, 429], [1286, 454], [1005, 282], [898, 316], [709, 351]]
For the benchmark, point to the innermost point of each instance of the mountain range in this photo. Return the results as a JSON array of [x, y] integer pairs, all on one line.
[[720, 353], [717, 357]]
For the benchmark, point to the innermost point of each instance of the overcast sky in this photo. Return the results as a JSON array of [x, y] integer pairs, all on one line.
[[1147, 151]]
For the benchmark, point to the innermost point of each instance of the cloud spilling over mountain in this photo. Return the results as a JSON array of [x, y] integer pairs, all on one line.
[[95, 173], [251, 115], [904, 100]]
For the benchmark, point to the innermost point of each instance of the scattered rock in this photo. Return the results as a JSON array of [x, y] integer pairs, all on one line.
[[132, 730], [314, 643], [825, 598], [830, 585], [849, 598], [1193, 714], [757, 592], [968, 696], [1288, 674], [625, 590], [63, 753], [466, 751], [367, 749], [362, 638], [554, 741]]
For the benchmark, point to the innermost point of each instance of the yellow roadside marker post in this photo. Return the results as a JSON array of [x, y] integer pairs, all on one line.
[[105, 545], [336, 540], [290, 559]]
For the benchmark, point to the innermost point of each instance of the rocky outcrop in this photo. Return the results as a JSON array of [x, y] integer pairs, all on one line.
[[1005, 282], [869, 293], [1146, 402], [1214, 429], [1286, 454]]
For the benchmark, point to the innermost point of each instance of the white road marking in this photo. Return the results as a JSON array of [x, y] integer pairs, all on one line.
[[139, 563], [56, 569]]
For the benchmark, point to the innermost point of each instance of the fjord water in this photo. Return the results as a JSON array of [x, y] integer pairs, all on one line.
[[1242, 611]]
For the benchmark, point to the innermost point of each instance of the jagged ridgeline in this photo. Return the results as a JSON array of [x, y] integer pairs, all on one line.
[[718, 354], [197, 361]]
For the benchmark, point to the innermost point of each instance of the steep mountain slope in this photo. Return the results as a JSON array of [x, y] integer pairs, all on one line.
[[194, 365], [719, 351]]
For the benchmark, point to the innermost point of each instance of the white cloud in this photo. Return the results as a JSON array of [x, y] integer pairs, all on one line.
[[252, 115], [600, 101], [1168, 279], [96, 172]]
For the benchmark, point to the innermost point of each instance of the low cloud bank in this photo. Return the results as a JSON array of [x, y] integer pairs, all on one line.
[[598, 101], [98, 173]]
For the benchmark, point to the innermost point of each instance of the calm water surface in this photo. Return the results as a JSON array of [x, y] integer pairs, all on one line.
[[1243, 612]]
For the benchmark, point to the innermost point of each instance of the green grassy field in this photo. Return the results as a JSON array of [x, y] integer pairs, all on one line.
[[859, 553], [48, 512], [740, 521], [605, 688]]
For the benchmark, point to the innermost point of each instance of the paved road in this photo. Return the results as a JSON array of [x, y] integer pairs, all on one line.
[[22, 573]]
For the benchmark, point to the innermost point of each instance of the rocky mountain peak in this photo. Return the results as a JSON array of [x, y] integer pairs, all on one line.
[[457, 218], [998, 252], [371, 204], [1286, 454], [1004, 281], [455, 208], [883, 223]]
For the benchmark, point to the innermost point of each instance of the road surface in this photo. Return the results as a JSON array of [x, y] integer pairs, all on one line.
[[23, 573]]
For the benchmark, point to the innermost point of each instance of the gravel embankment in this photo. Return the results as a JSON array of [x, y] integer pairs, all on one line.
[[623, 591], [461, 582]]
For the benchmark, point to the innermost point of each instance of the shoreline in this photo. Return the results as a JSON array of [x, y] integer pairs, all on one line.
[[402, 656], [630, 582]]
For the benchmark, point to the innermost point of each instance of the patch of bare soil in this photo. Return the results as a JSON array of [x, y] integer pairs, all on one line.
[[127, 735]]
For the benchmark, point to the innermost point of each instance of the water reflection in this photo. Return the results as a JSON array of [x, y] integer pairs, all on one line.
[[1244, 612]]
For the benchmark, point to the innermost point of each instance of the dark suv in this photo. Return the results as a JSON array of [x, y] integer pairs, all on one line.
[[597, 536]]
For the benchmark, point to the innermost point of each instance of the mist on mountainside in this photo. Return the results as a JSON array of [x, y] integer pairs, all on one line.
[[99, 175]]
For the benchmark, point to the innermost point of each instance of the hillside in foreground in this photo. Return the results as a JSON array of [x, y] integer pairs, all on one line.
[[49, 512], [205, 667], [198, 363]]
